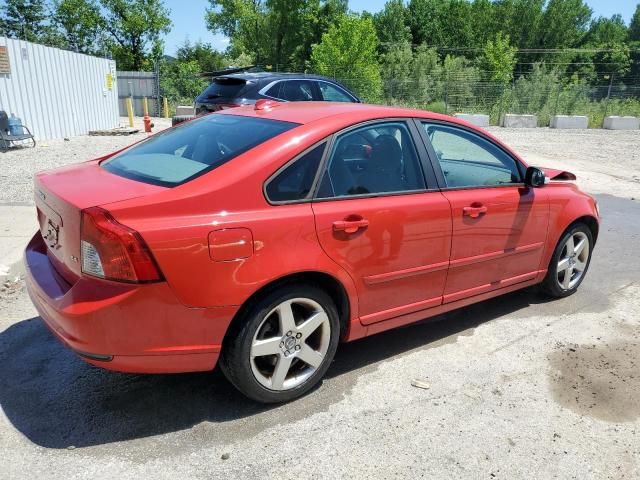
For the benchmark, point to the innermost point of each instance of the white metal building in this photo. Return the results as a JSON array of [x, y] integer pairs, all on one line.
[[55, 92]]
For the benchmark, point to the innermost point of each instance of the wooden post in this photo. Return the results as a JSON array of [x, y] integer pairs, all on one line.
[[145, 107]]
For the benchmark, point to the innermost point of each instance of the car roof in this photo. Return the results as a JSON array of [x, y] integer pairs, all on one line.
[[272, 76], [343, 114], [308, 112]]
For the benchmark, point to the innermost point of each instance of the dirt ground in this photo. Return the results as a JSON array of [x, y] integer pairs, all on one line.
[[517, 387]]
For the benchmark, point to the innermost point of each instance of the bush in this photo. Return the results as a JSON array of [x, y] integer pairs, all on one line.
[[180, 82]]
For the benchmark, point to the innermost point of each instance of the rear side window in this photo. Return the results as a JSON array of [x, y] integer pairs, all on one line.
[[295, 181], [371, 160], [224, 88], [331, 93], [292, 90], [194, 148]]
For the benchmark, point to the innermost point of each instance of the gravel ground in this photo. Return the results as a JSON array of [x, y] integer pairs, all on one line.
[[604, 161], [17, 166], [516, 387]]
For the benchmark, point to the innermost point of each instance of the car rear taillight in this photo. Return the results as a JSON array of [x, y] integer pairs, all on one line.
[[114, 251]]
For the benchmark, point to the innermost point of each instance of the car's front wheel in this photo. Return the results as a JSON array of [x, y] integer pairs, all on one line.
[[570, 261], [283, 344]]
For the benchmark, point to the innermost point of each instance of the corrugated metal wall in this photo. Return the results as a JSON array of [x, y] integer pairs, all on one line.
[[138, 85], [58, 93]]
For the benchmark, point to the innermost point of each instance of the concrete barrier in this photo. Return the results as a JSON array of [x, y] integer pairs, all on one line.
[[511, 120], [621, 123], [185, 110], [569, 121], [478, 119]]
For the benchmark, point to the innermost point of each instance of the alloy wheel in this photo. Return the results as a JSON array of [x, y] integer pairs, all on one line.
[[573, 260], [290, 344]]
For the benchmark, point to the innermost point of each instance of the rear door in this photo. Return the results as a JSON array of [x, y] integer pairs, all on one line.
[[377, 217], [499, 224]]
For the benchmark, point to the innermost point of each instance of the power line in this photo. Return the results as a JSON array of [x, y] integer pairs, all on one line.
[[518, 50]]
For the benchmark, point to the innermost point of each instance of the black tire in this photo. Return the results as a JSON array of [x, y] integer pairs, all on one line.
[[178, 119], [235, 359], [550, 284]]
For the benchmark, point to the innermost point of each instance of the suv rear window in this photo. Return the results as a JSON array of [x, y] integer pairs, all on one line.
[[224, 88], [183, 153]]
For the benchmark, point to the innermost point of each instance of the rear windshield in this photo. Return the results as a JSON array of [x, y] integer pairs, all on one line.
[[224, 88], [193, 148]]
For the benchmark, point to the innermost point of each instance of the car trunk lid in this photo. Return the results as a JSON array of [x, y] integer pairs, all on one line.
[[60, 197], [222, 93]]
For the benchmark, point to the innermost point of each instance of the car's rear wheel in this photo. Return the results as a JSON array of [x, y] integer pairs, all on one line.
[[570, 262], [283, 344]]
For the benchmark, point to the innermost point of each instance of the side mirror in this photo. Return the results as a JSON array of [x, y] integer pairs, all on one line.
[[534, 177]]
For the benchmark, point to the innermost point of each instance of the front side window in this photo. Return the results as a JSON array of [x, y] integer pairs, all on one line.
[[468, 160], [196, 147], [331, 93], [296, 180], [374, 159]]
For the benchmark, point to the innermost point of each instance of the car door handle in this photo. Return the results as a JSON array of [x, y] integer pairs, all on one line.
[[474, 211], [350, 226]]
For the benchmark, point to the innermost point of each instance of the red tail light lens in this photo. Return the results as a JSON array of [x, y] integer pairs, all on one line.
[[114, 251]]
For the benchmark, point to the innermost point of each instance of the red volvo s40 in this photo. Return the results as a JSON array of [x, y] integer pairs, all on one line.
[[261, 237]]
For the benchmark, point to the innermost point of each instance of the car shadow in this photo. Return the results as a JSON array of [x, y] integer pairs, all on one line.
[[58, 401]]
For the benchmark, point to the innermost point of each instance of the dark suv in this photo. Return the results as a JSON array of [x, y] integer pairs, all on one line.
[[233, 90]]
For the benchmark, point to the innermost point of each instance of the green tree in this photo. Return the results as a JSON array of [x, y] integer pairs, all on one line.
[[208, 58], [522, 20], [395, 65], [135, 27], [499, 59], [441, 23], [634, 26], [426, 70], [391, 24], [316, 20], [180, 81], [609, 38], [485, 21], [565, 23], [244, 22], [24, 19], [81, 25], [634, 43], [275, 32], [285, 21], [348, 51]]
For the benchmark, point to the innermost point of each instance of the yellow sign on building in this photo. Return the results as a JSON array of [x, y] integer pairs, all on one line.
[[5, 66], [109, 81]]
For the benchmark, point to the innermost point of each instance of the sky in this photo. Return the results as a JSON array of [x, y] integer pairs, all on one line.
[[188, 21]]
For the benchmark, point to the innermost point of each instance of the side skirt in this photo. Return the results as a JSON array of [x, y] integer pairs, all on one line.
[[440, 309]]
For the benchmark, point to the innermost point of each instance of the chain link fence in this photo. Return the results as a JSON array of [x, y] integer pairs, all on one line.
[[523, 96], [539, 92]]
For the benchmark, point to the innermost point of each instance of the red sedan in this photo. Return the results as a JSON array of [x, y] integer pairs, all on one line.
[[261, 237]]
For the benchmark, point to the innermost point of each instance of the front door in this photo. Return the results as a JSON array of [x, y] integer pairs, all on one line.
[[499, 224], [376, 218]]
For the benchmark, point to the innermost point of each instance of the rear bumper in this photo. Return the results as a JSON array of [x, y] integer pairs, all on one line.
[[124, 327]]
